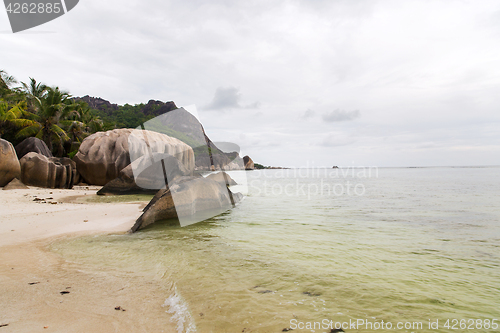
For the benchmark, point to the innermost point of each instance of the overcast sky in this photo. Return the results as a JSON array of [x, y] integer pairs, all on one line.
[[294, 83]]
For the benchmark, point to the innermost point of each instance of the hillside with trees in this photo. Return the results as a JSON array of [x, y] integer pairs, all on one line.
[[62, 121]]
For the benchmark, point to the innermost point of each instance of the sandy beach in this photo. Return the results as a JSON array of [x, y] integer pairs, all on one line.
[[43, 292]]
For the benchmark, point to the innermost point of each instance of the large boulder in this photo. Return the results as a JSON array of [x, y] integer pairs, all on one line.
[[103, 155], [189, 199], [146, 175], [50, 172], [34, 145], [9, 164], [248, 163]]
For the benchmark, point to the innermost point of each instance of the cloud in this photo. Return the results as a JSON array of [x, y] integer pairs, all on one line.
[[229, 98], [338, 115], [308, 114]]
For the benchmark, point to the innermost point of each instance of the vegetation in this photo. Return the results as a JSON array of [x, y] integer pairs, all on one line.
[[126, 116], [48, 113]]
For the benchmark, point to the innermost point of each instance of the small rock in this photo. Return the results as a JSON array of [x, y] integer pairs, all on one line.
[[335, 330], [286, 329], [45, 327], [64, 292], [85, 220], [308, 293], [32, 283], [3, 325], [265, 291]]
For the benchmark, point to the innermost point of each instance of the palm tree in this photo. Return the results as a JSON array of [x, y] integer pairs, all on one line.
[[6, 80], [34, 91], [45, 124], [11, 115]]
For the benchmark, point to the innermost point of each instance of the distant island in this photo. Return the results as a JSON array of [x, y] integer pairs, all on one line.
[[260, 166]]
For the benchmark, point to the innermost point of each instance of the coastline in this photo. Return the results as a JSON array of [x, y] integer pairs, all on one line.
[[32, 277]]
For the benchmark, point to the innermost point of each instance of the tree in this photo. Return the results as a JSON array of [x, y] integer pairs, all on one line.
[[11, 115], [45, 124], [34, 91]]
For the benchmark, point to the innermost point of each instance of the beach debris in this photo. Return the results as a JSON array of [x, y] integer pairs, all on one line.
[[85, 220], [335, 330], [118, 308], [201, 314], [45, 327], [3, 325], [286, 329], [308, 293], [64, 292], [267, 291], [38, 199], [32, 283]]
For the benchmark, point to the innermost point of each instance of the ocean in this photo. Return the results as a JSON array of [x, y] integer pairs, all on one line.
[[357, 249]]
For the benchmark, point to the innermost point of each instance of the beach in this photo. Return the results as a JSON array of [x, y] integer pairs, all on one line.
[[417, 246], [43, 292]]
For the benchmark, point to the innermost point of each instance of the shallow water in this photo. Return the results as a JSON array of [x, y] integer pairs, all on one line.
[[394, 245]]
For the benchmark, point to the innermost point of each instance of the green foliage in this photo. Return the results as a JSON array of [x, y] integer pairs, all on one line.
[[47, 113], [258, 166], [127, 116]]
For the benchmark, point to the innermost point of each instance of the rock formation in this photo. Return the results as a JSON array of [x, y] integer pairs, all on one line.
[[146, 175], [222, 177], [34, 145], [189, 199], [50, 172], [98, 103], [15, 184], [9, 164], [156, 108], [103, 155], [248, 163]]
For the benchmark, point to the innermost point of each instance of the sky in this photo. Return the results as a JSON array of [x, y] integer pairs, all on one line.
[[294, 83]]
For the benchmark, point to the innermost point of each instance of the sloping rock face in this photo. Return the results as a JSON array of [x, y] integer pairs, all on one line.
[[222, 177], [9, 164], [190, 199], [145, 175], [103, 155], [32, 145], [248, 163], [42, 171], [15, 184]]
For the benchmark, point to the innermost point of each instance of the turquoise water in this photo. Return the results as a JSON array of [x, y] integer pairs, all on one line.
[[398, 245]]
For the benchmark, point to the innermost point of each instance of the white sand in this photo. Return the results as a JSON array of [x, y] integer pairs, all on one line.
[[31, 277], [22, 219]]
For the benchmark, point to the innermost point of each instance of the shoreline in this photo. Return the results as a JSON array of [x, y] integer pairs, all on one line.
[[41, 291]]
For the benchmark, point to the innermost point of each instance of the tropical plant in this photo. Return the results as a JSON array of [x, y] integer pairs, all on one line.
[[45, 124], [34, 92], [11, 115]]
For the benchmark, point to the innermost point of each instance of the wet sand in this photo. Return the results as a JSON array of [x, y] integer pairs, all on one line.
[[32, 278]]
